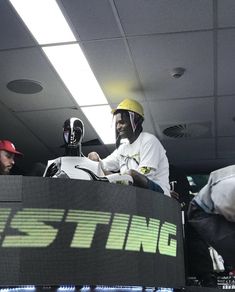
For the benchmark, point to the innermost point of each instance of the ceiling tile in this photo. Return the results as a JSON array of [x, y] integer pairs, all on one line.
[[226, 116], [113, 69], [140, 17], [156, 56], [226, 62], [182, 111], [92, 19], [12, 30], [226, 12]]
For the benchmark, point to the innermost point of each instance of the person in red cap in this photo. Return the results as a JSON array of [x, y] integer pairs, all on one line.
[[7, 156]]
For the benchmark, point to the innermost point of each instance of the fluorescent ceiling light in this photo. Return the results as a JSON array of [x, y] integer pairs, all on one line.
[[45, 20], [74, 70], [48, 26], [102, 120]]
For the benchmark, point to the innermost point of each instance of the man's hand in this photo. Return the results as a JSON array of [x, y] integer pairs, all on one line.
[[139, 179], [94, 156]]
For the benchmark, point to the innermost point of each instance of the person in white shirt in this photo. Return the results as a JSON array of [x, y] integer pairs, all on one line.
[[139, 154]]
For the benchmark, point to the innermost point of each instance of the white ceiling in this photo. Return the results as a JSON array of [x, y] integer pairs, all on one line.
[[132, 47]]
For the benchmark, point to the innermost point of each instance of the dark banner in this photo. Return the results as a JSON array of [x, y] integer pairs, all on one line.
[[71, 232]]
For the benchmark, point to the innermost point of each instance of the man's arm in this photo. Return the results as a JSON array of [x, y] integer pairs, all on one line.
[[95, 157], [139, 179]]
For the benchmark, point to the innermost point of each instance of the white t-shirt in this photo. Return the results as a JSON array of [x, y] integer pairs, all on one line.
[[146, 155]]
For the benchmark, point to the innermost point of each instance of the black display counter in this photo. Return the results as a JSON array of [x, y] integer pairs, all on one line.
[[74, 232]]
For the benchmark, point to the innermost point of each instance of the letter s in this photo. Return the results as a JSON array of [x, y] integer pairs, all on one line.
[[33, 232]]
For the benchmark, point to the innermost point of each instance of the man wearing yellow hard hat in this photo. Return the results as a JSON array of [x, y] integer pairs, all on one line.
[[141, 155]]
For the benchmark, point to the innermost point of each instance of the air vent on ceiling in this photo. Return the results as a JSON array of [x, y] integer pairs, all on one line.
[[192, 130]]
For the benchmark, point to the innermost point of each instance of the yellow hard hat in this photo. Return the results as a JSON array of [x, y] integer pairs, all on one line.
[[130, 105]]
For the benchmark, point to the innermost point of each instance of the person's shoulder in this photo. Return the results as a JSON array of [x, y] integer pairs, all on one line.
[[149, 137], [120, 149]]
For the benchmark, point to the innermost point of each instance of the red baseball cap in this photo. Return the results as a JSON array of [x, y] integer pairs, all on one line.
[[8, 146]]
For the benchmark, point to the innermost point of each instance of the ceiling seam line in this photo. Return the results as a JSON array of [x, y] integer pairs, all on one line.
[[215, 56], [117, 18]]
